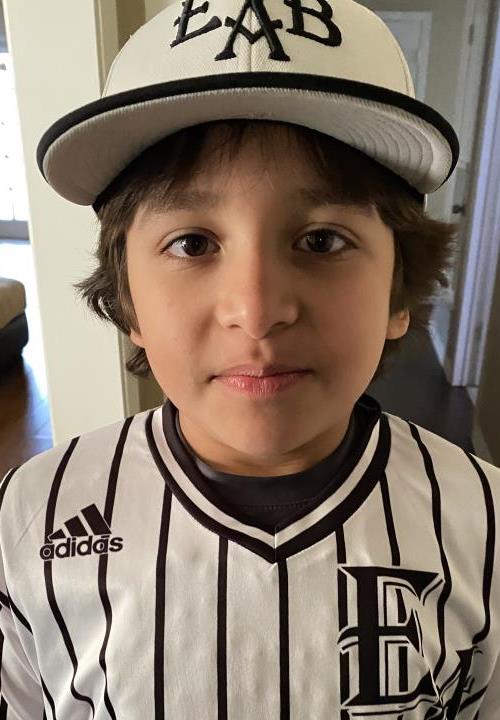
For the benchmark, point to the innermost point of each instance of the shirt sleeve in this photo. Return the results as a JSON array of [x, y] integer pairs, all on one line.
[[21, 696]]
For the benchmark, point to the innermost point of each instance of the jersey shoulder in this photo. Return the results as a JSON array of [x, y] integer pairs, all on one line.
[[24, 488], [441, 451]]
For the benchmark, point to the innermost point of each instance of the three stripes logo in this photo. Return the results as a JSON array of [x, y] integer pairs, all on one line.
[[77, 540]]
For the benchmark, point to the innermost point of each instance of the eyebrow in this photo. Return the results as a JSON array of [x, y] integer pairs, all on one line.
[[307, 197]]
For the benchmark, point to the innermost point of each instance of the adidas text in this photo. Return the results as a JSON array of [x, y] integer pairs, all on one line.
[[88, 546]]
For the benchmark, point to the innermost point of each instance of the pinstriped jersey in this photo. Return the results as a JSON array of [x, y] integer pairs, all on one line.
[[130, 590]]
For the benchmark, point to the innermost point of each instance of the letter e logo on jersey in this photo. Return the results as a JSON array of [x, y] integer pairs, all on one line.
[[378, 637]]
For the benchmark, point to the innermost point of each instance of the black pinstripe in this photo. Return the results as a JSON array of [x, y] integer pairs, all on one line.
[[489, 554], [222, 631], [103, 559], [436, 517], [49, 585], [284, 642], [159, 654]]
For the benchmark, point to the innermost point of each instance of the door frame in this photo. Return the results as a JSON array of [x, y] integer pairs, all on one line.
[[476, 279]]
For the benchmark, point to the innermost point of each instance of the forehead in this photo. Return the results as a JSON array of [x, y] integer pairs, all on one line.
[[272, 156]]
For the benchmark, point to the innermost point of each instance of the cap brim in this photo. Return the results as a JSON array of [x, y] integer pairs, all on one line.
[[84, 151]]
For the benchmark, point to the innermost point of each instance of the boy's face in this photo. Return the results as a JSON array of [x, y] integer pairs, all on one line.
[[256, 287]]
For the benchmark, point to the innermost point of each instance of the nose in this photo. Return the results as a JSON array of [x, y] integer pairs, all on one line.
[[257, 293]]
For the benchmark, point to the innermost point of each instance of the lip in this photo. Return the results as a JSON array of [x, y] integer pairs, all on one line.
[[269, 370], [262, 387]]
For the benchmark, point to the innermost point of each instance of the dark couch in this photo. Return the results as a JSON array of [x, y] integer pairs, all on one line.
[[14, 333]]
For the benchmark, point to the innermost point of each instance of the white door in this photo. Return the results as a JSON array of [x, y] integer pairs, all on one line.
[[474, 280], [456, 331], [413, 33]]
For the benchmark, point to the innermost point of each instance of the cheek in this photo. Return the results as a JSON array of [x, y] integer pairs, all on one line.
[[353, 318], [160, 316], [355, 300], [169, 347], [166, 331]]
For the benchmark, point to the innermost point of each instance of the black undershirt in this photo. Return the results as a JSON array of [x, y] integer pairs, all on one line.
[[274, 499]]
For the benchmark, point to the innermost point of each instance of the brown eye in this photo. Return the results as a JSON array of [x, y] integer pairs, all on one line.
[[188, 244], [194, 244], [326, 238]]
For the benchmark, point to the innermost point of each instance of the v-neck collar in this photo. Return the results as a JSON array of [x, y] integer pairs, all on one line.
[[340, 498]]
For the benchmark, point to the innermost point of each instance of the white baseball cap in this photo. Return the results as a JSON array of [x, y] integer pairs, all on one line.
[[333, 66]]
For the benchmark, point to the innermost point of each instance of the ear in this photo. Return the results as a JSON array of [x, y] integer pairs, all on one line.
[[398, 325], [136, 338]]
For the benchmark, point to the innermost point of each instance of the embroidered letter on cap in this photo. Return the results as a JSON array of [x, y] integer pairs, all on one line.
[[267, 26], [182, 21], [334, 38]]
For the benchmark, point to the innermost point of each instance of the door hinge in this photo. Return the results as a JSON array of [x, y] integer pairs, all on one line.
[[472, 29]]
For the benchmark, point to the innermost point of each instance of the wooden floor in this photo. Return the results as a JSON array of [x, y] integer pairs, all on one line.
[[24, 409], [417, 389]]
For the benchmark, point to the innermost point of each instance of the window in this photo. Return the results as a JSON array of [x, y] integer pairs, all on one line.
[[13, 197]]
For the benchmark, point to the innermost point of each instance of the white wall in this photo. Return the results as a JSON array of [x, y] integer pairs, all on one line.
[[56, 57]]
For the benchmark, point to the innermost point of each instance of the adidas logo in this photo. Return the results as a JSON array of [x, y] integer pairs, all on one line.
[[77, 540]]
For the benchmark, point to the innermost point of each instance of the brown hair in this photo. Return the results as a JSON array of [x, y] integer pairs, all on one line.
[[424, 247]]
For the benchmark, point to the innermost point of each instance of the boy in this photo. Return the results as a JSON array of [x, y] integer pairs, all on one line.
[[268, 543]]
